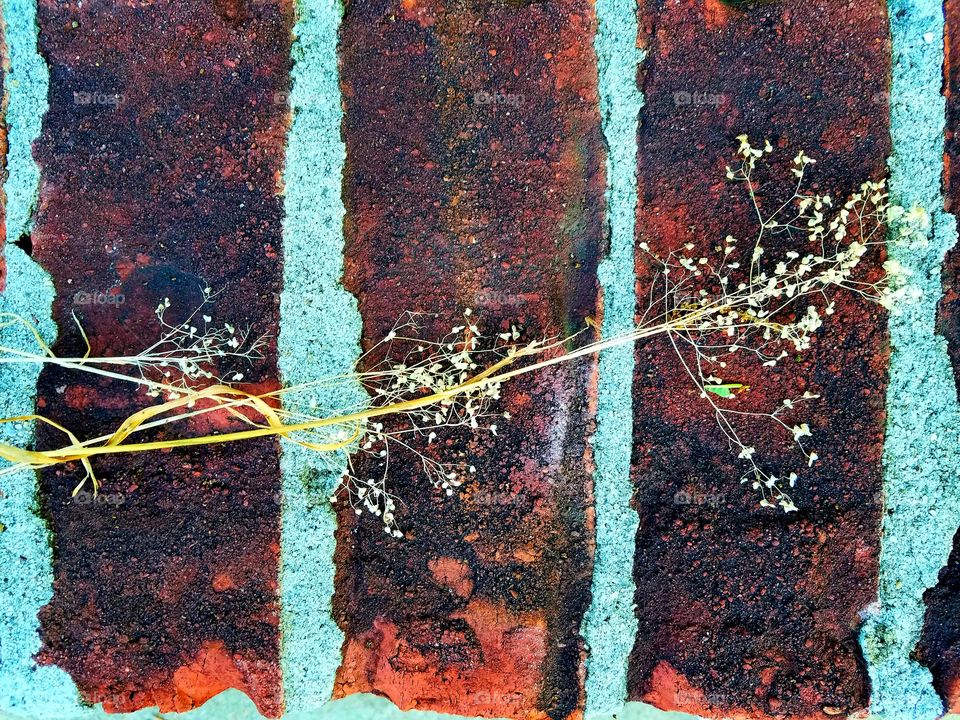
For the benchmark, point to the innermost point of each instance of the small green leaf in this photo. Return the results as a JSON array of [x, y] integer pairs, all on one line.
[[725, 390]]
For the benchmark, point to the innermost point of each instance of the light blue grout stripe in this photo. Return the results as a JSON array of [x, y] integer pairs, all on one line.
[[26, 575], [921, 459], [319, 336], [610, 624]]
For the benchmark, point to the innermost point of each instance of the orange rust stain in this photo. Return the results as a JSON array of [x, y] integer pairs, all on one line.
[[222, 582], [125, 266], [527, 554], [952, 700], [671, 691], [513, 647], [211, 671], [716, 13], [423, 12], [568, 61], [453, 573], [79, 397]]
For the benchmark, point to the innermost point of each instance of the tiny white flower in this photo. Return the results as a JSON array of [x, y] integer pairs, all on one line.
[[802, 430]]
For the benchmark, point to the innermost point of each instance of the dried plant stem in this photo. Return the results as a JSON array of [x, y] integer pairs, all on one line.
[[709, 309], [112, 444]]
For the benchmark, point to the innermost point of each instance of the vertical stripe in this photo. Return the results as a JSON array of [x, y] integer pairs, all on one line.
[[920, 458], [4, 98], [319, 337], [745, 610], [610, 625], [25, 553], [474, 179], [26, 84], [161, 155]]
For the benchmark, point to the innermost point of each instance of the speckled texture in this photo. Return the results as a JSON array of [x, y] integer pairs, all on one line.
[[921, 461], [319, 337], [160, 155], [948, 319], [610, 624], [4, 98], [26, 82], [474, 178], [25, 554], [321, 327], [745, 610]]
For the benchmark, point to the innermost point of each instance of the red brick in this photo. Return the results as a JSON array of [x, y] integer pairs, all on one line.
[[162, 179], [939, 646], [745, 611], [457, 202]]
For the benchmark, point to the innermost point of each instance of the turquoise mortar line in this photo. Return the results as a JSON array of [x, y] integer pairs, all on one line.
[[26, 576], [610, 624], [320, 330], [921, 461], [26, 83]]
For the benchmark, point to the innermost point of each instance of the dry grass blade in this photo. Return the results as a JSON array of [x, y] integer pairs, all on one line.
[[709, 309]]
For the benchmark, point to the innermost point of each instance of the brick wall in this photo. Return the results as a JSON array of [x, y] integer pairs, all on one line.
[[330, 167]]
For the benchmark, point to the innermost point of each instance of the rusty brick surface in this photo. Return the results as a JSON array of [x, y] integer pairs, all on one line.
[[474, 179], [949, 311], [160, 160], [939, 647], [745, 611]]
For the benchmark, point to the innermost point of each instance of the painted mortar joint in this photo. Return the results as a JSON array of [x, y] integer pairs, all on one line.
[[610, 624], [920, 459]]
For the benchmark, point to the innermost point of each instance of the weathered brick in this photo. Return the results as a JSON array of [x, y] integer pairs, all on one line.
[[160, 159], [948, 320], [474, 179], [742, 610], [939, 647]]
